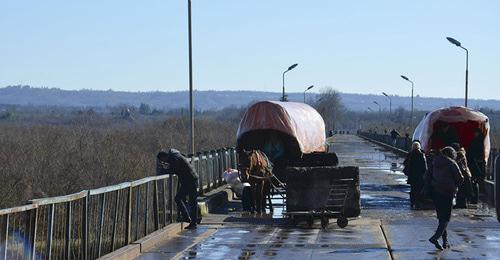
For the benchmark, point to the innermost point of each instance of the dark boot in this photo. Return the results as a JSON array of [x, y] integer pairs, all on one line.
[[446, 244], [436, 243]]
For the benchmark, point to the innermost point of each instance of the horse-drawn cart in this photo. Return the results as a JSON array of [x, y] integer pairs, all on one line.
[[293, 137]]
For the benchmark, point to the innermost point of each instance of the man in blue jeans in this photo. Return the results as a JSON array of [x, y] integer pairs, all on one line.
[[187, 192]]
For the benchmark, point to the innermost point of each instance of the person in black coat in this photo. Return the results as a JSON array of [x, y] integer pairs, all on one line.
[[477, 164], [415, 168], [445, 180], [188, 184]]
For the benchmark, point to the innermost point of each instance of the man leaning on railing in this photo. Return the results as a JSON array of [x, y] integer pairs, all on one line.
[[173, 162]]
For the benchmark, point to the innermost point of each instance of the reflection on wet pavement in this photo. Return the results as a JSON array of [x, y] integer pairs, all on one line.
[[385, 219]]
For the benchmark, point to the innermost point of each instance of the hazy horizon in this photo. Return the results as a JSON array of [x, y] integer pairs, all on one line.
[[354, 47]]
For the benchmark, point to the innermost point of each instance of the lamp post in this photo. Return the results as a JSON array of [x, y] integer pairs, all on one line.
[[191, 110], [310, 87], [379, 106], [390, 102], [458, 44], [283, 98], [412, 87]]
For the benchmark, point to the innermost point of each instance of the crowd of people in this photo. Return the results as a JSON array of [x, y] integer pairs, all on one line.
[[445, 174]]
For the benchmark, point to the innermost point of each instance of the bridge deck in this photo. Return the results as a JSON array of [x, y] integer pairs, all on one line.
[[387, 228]]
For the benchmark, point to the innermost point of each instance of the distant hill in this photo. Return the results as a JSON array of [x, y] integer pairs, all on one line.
[[205, 100]]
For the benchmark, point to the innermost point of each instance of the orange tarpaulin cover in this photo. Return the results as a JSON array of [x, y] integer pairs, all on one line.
[[463, 120], [297, 120]]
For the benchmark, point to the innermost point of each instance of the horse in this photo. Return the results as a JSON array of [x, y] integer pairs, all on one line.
[[256, 169]]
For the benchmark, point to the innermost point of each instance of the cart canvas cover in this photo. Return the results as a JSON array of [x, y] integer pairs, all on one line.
[[298, 120], [463, 119]]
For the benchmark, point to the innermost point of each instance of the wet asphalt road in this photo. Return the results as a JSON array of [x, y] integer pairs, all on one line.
[[387, 228]]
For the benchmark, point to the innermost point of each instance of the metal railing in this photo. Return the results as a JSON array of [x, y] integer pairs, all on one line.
[[405, 144], [92, 223]]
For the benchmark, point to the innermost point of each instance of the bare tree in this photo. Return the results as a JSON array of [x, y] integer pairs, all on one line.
[[329, 105]]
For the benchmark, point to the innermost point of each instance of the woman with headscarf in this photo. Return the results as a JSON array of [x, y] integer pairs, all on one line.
[[445, 180], [415, 168]]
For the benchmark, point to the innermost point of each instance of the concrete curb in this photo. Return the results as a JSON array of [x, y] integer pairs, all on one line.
[[134, 249]]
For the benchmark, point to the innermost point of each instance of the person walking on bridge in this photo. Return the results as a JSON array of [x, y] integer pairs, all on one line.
[[464, 193], [415, 168], [394, 135], [445, 179], [176, 163]]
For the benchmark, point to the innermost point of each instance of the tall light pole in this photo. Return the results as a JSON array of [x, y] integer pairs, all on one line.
[[390, 102], [191, 109], [379, 106], [457, 43], [412, 87], [283, 98], [310, 87]]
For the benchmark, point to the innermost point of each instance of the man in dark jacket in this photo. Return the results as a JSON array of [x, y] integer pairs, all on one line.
[[446, 178], [188, 184], [415, 168], [477, 164]]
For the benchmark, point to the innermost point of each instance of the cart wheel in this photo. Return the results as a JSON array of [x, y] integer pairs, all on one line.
[[310, 221], [324, 222], [342, 222]]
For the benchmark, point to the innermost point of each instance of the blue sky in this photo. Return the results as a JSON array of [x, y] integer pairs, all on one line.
[[353, 46]]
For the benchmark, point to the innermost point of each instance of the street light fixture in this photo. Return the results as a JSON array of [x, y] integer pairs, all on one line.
[[191, 109], [390, 102], [283, 98], [379, 106], [412, 87], [458, 44], [310, 87]]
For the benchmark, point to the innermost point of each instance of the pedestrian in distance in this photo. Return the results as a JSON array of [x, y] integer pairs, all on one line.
[[394, 135], [464, 193], [415, 166], [173, 162], [446, 178]]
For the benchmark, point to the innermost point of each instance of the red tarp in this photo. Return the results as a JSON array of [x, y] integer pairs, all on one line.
[[463, 121], [298, 120]]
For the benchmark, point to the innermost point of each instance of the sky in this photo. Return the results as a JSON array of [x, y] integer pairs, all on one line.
[[352, 46]]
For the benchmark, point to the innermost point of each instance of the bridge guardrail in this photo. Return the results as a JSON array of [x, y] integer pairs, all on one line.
[[92, 223]]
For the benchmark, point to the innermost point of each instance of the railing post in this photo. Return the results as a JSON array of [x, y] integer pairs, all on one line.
[[155, 205], [101, 223], [115, 220], [129, 216], [5, 237], [68, 229], [50, 230], [206, 166], [200, 174], [146, 213], [30, 233], [497, 186], [85, 226], [33, 229], [171, 197], [164, 198]]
